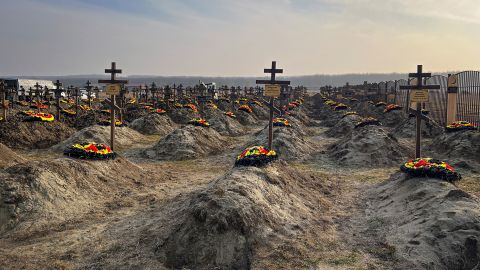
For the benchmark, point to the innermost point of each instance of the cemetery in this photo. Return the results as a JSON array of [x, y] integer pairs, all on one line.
[[273, 177]]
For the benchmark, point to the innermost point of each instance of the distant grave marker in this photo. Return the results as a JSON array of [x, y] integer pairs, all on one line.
[[58, 94], [89, 88], [3, 91]]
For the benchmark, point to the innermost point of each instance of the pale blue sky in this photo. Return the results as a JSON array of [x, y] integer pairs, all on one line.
[[234, 37]]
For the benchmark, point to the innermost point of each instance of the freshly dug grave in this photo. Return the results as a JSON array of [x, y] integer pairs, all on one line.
[[32, 135], [8, 157], [84, 119], [369, 146], [428, 223], [302, 116], [332, 118], [393, 118], [223, 225], [246, 119], [344, 127], [407, 128], [260, 112], [188, 142], [181, 115], [153, 124], [223, 124], [36, 194], [134, 112], [462, 145], [124, 137]]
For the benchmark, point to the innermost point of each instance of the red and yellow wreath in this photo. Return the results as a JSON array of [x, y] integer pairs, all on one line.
[[369, 121], [39, 106], [281, 122], [245, 108], [199, 122], [69, 112], [230, 114], [191, 107], [460, 125], [43, 117], [22, 103], [392, 107], [429, 167], [158, 111], [90, 151], [107, 122], [255, 156]]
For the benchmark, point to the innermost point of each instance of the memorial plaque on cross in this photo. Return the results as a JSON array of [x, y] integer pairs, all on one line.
[[113, 71], [3, 91], [419, 75], [58, 95], [273, 72]]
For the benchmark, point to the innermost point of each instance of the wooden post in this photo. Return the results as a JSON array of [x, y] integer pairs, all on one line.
[[112, 71], [3, 90], [89, 87], [452, 98], [58, 93], [77, 93]]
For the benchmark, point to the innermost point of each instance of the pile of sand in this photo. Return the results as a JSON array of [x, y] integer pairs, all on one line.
[[32, 135], [124, 137], [182, 115], [8, 157], [407, 128], [84, 119], [188, 142], [463, 145], [134, 112], [260, 112], [393, 118], [223, 124], [430, 224], [369, 146], [246, 119], [344, 127], [153, 124], [36, 194]]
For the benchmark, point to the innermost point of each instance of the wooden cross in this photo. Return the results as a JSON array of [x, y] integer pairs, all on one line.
[[77, 94], [419, 75], [97, 92], [112, 71], [12, 92], [37, 94], [174, 93], [89, 88], [30, 95], [23, 91], [273, 72], [167, 95], [58, 94], [153, 90], [3, 90]]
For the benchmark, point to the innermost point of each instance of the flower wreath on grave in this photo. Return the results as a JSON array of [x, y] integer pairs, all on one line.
[[191, 107], [132, 101], [200, 122], [146, 107], [212, 106], [106, 111], [298, 102], [69, 112], [340, 107], [22, 103], [330, 103], [42, 117], [145, 104], [69, 101], [178, 105], [281, 122], [460, 125], [381, 103], [85, 108], [27, 112], [158, 111], [39, 106], [90, 151], [369, 121], [429, 167], [107, 122], [245, 108], [256, 156], [349, 113], [230, 114], [256, 102], [392, 107], [291, 106]]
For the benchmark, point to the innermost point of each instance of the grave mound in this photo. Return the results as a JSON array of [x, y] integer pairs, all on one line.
[[83, 120], [463, 145], [221, 226], [36, 194], [153, 124], [369, 146], [246, 119], [223, 124], [407, 128], [260, 112], [32, 135], [124, 137], [344, 127], [134, 112], [188, 142], [393, 118], [428, 222], [182, 115], [8, 157]]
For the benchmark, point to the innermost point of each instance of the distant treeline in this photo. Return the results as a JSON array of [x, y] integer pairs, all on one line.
[[310, 81]]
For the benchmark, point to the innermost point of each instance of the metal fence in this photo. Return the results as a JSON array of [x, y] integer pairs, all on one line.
[[437, 106], [401, 95], [468, 97]]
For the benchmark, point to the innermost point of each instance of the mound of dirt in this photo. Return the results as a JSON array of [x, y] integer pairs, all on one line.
[[153, 124], [428, 223], [36, 194], [393, 118], [246, 119], [344, 127], [369, 146], [84, 119], [182, 115], [8, 157], [32, 135], [463, 145], [260, 112], [301, 116], [407, 128], [221, 226], [223, 124], [188, 142], [124, 137], [134, 112]]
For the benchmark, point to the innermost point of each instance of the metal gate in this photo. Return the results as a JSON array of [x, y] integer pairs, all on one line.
[[468, 97], [437, 106]]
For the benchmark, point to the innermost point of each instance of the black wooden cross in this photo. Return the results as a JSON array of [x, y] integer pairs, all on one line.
[[273, 72], [30, 95], [153, 90], [89, 88], [113, 71], [174, 90], [96, 90], [419, 75], [77, 95], [23, 91], [37, 94], [58, 95], [3, 90]]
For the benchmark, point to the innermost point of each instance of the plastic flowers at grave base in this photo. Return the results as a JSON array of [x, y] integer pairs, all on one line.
[[22, 103], [27, 112], [349, 113], [392, 107], [42, 117], [230, 114], [340, 107], [212, 106], [429, 167], [245, 108], [291, 106], [256, 156], [68, 101], [132, 101], [330, 103], [107, 122], [369, 121], [158, 111], [460, 125], [178, 105], [39, 106], [69, 112], [256, 102], [380, 104], [281, 122], [90, 151], [146, 107], [191, 107], [200, 122], [85, 108]]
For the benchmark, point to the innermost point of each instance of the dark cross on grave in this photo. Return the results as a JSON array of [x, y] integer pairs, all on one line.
[[273, 72], [96, 90], [30, 95], [12, 92], [46, 94], [23, 93], [174, 93], [153, 90], [113, 71], [3, 90], [89, 88], [418, 112], [284, 98], [77, 95], [167, 94], [38, 87], [58, 95], [123, 93]]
